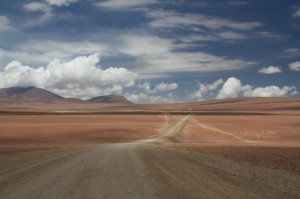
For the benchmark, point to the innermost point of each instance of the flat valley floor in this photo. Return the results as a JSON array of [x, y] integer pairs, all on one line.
[[157, 155]]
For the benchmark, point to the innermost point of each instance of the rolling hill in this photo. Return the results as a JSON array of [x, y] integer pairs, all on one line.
[[34, 94], [28, 94]]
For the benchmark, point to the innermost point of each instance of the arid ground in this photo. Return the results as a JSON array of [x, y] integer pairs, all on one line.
[[247, 148]]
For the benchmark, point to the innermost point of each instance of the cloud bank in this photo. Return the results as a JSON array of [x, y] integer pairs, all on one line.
[[233, 87], [80, 77]]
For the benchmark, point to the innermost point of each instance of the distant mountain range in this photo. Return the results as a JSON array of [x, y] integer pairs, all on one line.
[[30, 97], [35, 94]]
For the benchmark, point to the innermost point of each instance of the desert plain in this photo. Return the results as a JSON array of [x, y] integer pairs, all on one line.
[[235, 148]]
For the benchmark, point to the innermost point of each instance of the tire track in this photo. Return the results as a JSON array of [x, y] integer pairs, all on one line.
[[215, 129]]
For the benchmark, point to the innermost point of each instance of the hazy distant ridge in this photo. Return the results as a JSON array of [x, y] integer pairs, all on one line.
[[41, 95]]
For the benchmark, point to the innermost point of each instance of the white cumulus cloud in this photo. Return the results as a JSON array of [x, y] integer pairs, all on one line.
[[80, 77], [203, 89], [295, 66], [161, 87], [233, 87], [271, 91], [270, 70], [30, 52], [150, 98], [146, 86], [166, 87]]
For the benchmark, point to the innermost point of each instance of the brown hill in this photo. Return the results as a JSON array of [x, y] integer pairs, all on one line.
[[28, 94], [33, 94], [110, 99]]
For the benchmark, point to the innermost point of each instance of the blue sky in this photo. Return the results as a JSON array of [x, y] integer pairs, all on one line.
[[152, 51]]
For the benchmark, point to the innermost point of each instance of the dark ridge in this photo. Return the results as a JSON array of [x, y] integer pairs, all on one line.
[[110, 99], [29, 93], [18, 90]]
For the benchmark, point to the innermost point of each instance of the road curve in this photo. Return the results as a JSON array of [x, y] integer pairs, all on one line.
[[137, 170], [169, 133]]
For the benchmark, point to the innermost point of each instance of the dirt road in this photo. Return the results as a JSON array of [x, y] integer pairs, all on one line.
[[138, 170], [169, 134]]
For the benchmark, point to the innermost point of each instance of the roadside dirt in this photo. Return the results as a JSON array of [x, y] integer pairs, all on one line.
[[274, 157], [247, 128]]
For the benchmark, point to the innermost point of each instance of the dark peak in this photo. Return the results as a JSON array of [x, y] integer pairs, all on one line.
[[32, 93], [18, 90], [110, 99], [28, 93]]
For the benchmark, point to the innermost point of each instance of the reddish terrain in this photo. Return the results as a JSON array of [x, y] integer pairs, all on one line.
[[44, 131], [238, 148]]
